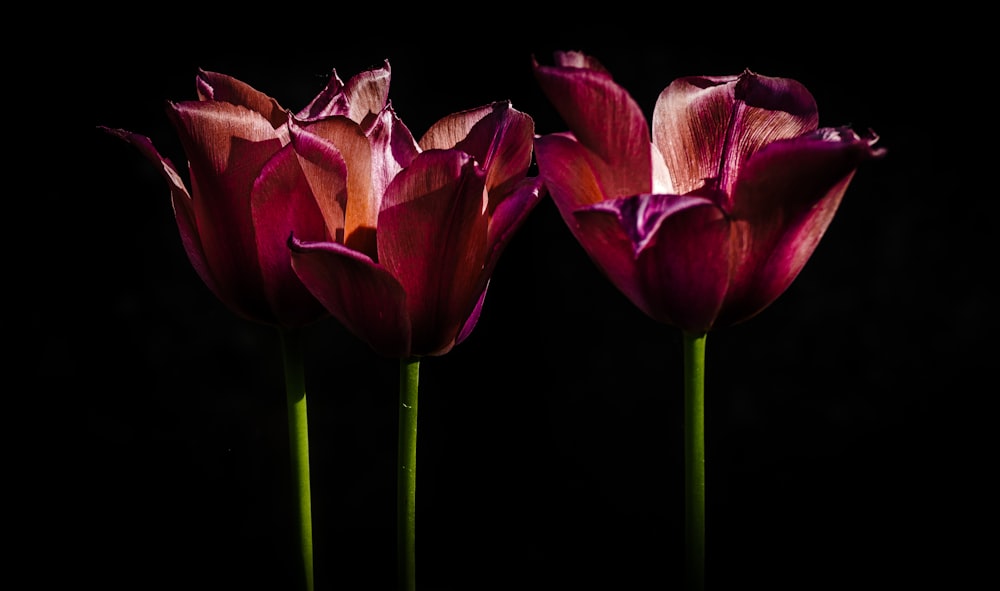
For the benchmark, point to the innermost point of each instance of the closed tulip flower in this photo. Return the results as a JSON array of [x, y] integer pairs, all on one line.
[[707, 216], [249, 190], [701, 219]]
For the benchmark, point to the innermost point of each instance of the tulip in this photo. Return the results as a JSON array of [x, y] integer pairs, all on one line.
[[244, 202], [703, 221], [413, 244], [423, 226], [704, 218]]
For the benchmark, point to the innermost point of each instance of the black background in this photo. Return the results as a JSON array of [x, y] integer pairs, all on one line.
[[843, 450]]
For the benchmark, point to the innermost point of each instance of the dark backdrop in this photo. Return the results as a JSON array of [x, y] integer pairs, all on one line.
[[550, 442]]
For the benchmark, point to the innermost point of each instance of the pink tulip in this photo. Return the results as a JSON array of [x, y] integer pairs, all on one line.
[[704, 218]]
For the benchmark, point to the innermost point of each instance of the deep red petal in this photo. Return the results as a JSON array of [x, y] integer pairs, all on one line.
[[605, 119], [282, 202], [668, 254], [359, 293], [786, 197], [433, 239]]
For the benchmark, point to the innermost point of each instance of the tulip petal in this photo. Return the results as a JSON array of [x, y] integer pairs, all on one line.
[[497, 135], [282, 202], [786, 197], [226, 145], [331, 177], [604, 118], [359, 293], [668, 254], [568, 171], [329, 102], [213, 86], [368, 93], [707, 126], [433, 232], [365, 93], [181, 201]]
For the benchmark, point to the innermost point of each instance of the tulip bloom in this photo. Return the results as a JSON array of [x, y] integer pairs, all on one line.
[[411, 244], [250, 190], [422, 224], [703, 219], [244, 203]]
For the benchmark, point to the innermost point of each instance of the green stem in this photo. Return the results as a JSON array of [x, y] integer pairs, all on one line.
[[406, 484], [694, 460], [298, 434]]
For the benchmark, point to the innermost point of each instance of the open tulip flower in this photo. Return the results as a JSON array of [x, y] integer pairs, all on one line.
[[703, 218], [411, 241], [422, 224], [707, 217], [249, 191], [244, 202]]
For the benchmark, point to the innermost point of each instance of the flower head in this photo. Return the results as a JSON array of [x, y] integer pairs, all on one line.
[[244, 199], [417, 227], [705, 217]]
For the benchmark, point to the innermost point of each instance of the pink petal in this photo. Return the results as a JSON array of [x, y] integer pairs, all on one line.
[[360, 294], [569, 173], [707, 126], [433, 239], [368, 93], [785, 199], [226, 146], [668, 254], [282, 202], [327, 170], [605, 119], [330, 101], [181, 201], [212, 86]]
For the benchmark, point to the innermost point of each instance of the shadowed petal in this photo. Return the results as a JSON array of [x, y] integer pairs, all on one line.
[[604, 118], [432, 238], [360, 294], [668, 254], [282, 202], [785, 199], [330, 101], [183, 210], [567, 169], [510, 215]]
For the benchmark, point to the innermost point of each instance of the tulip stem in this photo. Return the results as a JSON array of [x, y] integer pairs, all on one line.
[[298, 435], [694, 460], [409, 379]]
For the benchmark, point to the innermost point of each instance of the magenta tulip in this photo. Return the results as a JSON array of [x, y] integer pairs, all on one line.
[[250, 190], [704, 218], [245, 200], [421, 225]]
